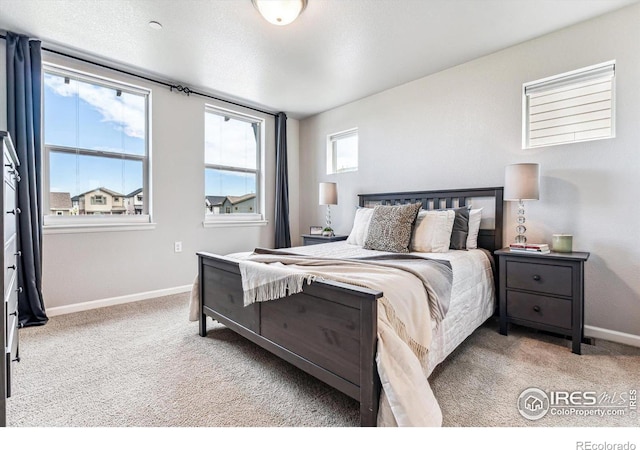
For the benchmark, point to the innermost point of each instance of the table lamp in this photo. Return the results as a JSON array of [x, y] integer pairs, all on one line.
[[521, 182], [328, 196]]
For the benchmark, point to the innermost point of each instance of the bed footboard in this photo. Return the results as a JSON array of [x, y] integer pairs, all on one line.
[[328, 330]]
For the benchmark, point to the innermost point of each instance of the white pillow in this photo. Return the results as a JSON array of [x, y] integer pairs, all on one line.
[[475, 215], [360, 226], [432, 231]]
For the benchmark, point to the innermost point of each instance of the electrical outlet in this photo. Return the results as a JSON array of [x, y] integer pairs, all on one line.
[[177, 246]]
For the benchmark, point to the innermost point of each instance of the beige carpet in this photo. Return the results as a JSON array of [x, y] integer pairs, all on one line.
[[144, 365]]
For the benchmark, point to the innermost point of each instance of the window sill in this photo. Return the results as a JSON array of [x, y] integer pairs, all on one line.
[[234, 223], [95, 227]]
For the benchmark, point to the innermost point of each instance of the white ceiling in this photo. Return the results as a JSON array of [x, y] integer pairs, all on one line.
[[336, 52]]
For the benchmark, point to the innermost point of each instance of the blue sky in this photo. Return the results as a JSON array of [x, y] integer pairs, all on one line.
[[229, 142], [82, 115]]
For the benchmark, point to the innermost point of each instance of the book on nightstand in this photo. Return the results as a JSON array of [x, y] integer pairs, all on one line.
[[530, 248]]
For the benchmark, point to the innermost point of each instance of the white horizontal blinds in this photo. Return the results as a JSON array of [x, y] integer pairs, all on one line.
[[571, 108]]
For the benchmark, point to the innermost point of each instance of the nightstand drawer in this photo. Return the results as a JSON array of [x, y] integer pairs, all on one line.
[[313, 239], [544, 278], [538, 308]]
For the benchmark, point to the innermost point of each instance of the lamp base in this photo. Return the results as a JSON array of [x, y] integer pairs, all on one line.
[[520, 239], [328, 231], [520, 228]]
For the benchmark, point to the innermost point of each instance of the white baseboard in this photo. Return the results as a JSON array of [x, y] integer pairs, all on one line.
[[85, 306], [611, 335], [589, 331]]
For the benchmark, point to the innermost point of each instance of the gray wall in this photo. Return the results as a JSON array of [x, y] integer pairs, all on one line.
[[82, 267], [460, 127]]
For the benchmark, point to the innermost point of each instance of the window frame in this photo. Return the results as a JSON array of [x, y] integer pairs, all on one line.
[[53, 224], [332, 150], [574, 77], [235, 219]]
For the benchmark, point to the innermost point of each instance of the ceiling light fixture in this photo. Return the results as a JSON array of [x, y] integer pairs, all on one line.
[[155, 25], [280, 12]]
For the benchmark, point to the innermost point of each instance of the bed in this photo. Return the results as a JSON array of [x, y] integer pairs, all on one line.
[[330, 328]]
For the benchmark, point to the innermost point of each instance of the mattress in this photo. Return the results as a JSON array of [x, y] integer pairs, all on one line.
[[473, 298]]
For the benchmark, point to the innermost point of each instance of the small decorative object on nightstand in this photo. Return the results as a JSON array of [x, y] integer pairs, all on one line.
[[311, 239], [562, 243], [543, 291], [316, 230]]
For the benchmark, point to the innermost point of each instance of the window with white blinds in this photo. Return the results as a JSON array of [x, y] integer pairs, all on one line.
[[571, 107]]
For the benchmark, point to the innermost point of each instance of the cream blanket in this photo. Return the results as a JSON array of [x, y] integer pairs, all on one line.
[[404, 320]]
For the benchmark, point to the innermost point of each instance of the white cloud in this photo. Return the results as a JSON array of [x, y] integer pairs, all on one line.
[[127, 111], [230, 143]]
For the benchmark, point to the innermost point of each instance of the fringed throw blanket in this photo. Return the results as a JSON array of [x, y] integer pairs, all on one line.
[[262, 282], [416, 292]]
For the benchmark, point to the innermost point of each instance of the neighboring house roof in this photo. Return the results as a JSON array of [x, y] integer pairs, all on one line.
[[60, 200], [215, 200], [233, 200], [136, 192], [103, 189], [110, 192]]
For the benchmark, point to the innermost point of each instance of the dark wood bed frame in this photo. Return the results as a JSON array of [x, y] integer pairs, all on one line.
[[329, 330]]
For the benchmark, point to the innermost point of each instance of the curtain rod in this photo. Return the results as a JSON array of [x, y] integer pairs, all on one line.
[[177, 87]]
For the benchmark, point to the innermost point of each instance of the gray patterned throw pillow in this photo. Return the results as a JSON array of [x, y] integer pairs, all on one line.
[[390, 227]]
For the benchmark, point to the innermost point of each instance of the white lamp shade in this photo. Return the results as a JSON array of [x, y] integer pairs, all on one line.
[[522, 181], [328, 194], [280, 12]]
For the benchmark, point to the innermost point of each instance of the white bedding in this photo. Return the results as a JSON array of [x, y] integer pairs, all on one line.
[[472, 293]]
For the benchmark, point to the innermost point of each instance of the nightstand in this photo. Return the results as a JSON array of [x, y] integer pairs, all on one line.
[[312, 239], [545, 292]]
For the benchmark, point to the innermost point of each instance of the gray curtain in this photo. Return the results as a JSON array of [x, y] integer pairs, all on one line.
[[283, 235], [24, 99]]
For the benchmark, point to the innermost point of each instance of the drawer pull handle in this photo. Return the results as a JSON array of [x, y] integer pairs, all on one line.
[[18, 178], [14, 211], [16, 359], [19, 290], [10, 165], [15, 313], [536, 308], [536, 277], [18, 253], [13, 266]]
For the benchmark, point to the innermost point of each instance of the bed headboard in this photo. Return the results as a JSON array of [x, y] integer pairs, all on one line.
[[489, 238]]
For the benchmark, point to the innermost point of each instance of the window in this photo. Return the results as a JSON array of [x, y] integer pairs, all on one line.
[[98, 200], [232, 166], [342, 152], [571, 107], [96, 146]]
